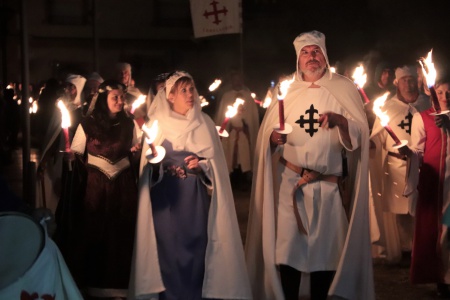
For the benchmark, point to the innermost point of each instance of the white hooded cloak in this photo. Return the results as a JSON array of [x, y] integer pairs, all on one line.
[[225, 270]]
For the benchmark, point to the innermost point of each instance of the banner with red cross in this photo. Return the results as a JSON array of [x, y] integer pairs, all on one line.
[[214, 17]]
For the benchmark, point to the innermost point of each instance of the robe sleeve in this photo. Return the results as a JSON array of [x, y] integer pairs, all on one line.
[[418, 138], [354, 132], [207, 176]]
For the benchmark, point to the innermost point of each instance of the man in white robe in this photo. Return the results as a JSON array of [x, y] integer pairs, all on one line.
[[299, 226], [394, 212], [243, 128], [124, 75]]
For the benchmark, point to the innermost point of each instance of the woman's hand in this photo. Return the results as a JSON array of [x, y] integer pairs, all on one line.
[[191, 162], [442, 121]]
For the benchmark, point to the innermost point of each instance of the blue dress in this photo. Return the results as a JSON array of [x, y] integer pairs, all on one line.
[[180, 203]]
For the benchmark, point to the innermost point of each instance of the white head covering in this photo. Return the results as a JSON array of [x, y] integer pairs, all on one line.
[[96, 77], [405, 71], [123, 66], [311, 38], [173, 78], [170, 122], [78, 81]]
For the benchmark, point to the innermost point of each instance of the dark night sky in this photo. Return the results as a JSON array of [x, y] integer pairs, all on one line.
[[400, 32]]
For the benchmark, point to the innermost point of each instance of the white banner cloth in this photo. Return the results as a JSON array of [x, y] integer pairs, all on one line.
[[214, 17]]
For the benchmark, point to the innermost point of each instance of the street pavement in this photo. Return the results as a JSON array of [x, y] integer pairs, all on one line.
[[391, 281]]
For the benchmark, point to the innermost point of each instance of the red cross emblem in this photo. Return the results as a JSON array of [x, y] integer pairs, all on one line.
[[215, 12]]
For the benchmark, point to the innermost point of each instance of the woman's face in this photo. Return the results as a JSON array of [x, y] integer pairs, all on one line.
[[183, 98], [115, 101], [443, 95]]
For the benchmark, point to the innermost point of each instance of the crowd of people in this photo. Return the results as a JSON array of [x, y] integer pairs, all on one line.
[[143, 198]]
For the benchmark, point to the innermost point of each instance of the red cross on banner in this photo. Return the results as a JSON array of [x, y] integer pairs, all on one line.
[[213, 17]]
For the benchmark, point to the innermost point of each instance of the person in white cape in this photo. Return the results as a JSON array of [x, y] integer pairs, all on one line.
[[187, 241], [243, 129], [300, 229], [394, 209]]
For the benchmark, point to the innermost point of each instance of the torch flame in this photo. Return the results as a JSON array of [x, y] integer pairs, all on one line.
[[377, 104], [150, 133], [215, 85], [359, 77], [33, 107], [138, 102], [203, 101], [428, 70], [65, 116], [267, 102], [283, 88], [238, 102], [231, 111], [332, 69]]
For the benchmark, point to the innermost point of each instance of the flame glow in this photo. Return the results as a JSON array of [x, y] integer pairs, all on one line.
[[377, 105], [428, 70], [332, 69], [138, 102], [65, 116], [359, 77], [33, 107], [259, 102], [238, 102], [203, 101], [283, 88], [215, 85], [150, 133], [267, 102], [232, 110]]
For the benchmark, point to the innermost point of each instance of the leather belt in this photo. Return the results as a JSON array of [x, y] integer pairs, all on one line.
[[307, 176], [396, 155]]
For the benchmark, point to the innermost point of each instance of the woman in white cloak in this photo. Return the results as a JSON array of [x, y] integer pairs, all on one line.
[[187, 242]]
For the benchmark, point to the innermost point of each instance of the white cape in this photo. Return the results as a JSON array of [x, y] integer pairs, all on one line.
[[225, 270], [354, 277]]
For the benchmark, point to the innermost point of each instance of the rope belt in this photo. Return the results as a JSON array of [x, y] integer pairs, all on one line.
[[307, 176]]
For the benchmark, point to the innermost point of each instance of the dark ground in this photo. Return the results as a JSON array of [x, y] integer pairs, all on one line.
[[391, 282]]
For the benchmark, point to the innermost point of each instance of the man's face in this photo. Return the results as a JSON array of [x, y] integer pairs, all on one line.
[[311, 61], [407, 89], [124, 76]]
